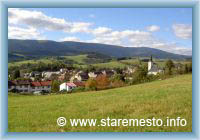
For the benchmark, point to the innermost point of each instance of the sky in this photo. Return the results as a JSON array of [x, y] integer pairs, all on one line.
[[168, 29]]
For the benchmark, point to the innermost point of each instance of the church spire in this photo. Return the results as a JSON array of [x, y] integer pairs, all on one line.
[[151, 59]]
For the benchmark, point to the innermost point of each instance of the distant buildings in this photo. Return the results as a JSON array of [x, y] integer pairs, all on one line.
[[75, 78]]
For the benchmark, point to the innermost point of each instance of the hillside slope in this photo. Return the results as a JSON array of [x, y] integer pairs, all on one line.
[[52, 48], [160, 99]]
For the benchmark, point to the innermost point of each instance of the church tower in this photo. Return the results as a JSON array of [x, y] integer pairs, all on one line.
[[150, 63]]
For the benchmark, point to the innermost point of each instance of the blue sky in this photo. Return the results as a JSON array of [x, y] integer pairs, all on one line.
[[168, 29]]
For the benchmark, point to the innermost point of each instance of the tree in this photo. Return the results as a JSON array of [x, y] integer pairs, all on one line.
[[190, 67], [16, 74], [67, 76], [186, 69], [117, 77], [117, 84], [91, 84], [117, 80], [54, 77], [168, 67], [140, 75], [55, 86], [118, 70], [102, 82]]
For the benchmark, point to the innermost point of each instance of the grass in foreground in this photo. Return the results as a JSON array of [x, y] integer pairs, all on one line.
[[160, 99]]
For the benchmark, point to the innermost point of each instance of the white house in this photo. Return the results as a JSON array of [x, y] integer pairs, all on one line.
[[70, 86], [67, 86], [153, 68]]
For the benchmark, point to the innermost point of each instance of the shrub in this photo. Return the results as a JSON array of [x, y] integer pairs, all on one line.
[[78, 89], [55, 86], [140, 75], [168, 67], [117, 83], [102, 82], [62, 92], [91, 84]]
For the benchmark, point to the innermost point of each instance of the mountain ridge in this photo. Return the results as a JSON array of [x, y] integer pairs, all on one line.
[[53, 48]]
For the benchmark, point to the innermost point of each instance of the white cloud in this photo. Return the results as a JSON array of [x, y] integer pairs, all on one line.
[[173, 48], [38, 20], [182, 31], [80, 27], [132, 38], [24, 33], [153, 28], [71, 38], [136, 38], [105, 40], [101, 31]]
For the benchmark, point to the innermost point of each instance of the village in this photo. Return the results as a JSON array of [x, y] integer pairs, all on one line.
[[71, 79]]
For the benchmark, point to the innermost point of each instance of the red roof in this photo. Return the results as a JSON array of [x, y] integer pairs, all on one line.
[[36, 84], [79, 84], [71, 84], [45, 83], [21, 82]]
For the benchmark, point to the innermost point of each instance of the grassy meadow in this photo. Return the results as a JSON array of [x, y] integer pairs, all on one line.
[[160, 99]]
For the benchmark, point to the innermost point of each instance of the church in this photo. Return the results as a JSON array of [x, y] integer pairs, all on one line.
[[153, 68]]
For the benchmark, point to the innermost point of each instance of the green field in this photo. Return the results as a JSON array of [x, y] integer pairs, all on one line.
[[44, 60], [77, 58], [111, 64], [160, 99]]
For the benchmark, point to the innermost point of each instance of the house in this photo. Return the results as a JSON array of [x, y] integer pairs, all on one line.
[[11, 85], [79, 84], [26, 75], [108, 73], [44, 86], [61, 77], [20, 86], [63, 70], [94, 74], [27, 86], [153, 68], [80, 76], [70, 86], [131, 69], [35, 74], [67, 86], [48, 75]]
